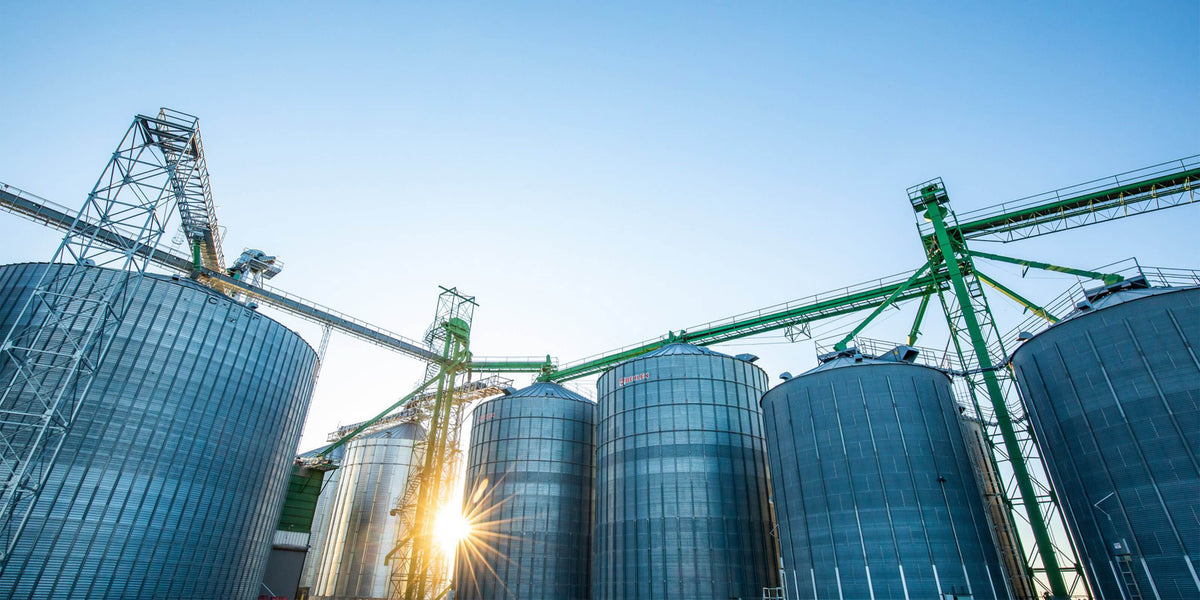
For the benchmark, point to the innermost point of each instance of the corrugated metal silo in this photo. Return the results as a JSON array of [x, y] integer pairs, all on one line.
[[681, 479], [874, 489], [322, 515], [529, 497], [360, 530], [1114, 396], [170, 482]]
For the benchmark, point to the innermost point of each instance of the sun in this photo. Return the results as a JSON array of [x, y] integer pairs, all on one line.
[[450, 528]]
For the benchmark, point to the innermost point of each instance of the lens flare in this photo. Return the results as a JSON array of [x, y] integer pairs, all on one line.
[[479, 552], [451, 528]]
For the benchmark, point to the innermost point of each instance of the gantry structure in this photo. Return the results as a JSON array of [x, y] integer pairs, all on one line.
[[1029, 527], [65, 328], [63, 332], [159, 170]]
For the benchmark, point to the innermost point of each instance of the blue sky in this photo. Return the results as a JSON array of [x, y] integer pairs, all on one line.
[[597, 174]]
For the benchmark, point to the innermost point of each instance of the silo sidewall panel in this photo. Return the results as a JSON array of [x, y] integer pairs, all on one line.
[[170, 482], [528, 496], [361, 528], [1114, 397], [681, 482], [875, 495], [322, 515]]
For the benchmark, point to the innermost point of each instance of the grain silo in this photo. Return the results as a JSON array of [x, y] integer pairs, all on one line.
[[322, 514], [681, 479], [1113, 392], [360, 530], [874, 489], [171, 480], [529, 497]]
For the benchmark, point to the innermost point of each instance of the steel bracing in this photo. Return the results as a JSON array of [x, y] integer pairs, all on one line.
[[419, 408], [1123, 195], [38, 209], [420, 568], [197, 211], [789, 316], [63, 332], [1045, 560], [50, 354], [990, 395]]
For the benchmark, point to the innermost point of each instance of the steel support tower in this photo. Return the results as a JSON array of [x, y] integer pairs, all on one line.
[[51, 353], [1046, 560], [48, 357], [981, 355], [420, 568]]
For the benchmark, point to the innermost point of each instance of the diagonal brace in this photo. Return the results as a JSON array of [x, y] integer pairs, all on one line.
[[386, 411], [879, 309], [1015, 297], [1107, 278], [916, 326]]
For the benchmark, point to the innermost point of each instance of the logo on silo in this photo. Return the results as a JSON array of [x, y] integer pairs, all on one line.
[[632, 378]]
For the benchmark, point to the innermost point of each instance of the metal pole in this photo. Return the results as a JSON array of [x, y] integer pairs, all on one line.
[[886, 303], [916, 326], [1107, 278], [1019, 299]]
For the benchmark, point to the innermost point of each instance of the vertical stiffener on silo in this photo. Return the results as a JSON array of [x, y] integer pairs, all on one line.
[[874, 490], [1113, 392], [681, 479]]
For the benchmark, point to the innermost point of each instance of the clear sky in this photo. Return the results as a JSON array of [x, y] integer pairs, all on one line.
[[597, 174]]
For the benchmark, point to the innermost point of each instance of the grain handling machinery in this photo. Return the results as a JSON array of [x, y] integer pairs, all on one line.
[[159, 169], [161, 162], [1044, 562]]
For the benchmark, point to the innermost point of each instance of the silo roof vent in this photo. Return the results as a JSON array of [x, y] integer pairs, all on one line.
[[901, 353]]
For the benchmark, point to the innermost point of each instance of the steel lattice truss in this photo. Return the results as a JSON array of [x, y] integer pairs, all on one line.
[[37, 209], [196, 207], [990, 395], [50, 354], [1006, 503], [420, 569], [1145, 190], [60, 337]]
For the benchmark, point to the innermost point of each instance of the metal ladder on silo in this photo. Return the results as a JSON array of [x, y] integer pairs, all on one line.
[[1125, 568]]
